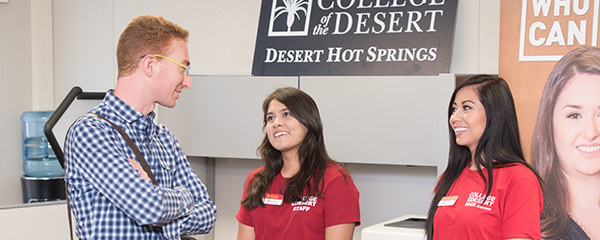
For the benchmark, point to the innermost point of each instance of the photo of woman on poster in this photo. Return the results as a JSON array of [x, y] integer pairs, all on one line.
[[566, 147]]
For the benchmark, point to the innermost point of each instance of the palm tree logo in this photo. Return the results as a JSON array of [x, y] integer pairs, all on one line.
[[292, 9]]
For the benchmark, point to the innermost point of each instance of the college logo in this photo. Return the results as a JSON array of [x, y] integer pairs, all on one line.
[[290, 18], [352, 37], [476, 200], [304, 205], [550, 28]]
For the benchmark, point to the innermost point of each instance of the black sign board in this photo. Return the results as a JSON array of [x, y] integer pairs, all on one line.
[[354, 37]]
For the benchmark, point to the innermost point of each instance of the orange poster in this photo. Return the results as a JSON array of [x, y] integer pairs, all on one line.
[[549, 57], [534, 35]]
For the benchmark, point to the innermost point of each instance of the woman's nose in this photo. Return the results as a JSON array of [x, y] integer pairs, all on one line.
[[590, 130], [276, 121], [455, 117]]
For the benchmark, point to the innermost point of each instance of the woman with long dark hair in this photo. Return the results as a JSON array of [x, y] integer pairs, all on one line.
[[566, 147], [299, 193], [488, 191]]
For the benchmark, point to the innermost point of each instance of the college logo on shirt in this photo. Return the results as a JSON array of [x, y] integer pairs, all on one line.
[[305, 204], [476, 200]]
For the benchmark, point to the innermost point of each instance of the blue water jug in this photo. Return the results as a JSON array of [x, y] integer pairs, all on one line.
[[38, 158]]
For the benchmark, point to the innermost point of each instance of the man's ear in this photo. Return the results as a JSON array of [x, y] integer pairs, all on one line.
[[149, 65]]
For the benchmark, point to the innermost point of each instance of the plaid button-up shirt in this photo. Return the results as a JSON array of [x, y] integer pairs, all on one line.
[[109, 198]]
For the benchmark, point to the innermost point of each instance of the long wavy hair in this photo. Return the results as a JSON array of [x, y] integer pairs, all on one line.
[[499, 145], [312, 153], [555, 218]]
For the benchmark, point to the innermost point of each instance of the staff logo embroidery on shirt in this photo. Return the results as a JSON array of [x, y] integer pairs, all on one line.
[[304, 205], [476, 200]]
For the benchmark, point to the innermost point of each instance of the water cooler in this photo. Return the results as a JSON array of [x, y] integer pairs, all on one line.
[[44, 176]]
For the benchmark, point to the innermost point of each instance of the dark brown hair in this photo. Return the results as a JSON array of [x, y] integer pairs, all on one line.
[[145, 34], [312, 153], [555, 218]]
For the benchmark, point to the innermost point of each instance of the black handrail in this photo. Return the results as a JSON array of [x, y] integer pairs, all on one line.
[[75, 92]]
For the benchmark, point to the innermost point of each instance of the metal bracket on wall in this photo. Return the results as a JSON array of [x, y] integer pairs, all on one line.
[[75, 92]]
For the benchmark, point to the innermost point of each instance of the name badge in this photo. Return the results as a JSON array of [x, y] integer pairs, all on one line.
[[273, 199], [447, 201]]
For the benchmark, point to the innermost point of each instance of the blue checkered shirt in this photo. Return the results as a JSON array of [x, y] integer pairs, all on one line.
[[109, 198]]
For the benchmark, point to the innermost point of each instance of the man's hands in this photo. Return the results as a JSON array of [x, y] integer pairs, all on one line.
[[139, 168], [135, 165]]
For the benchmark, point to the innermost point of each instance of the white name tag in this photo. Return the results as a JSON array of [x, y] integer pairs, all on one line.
[[273, 199], [447, 201]]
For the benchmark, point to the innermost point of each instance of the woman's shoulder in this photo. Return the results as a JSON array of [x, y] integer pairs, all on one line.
[[256, 171], [335, 168], [336, 172], [516, 167], [517, 171]]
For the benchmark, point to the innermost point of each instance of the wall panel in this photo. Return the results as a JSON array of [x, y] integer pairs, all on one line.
[[221, 116], [383, 120]]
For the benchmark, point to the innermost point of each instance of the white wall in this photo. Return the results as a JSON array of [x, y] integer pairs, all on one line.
[[476, 37], [26, 80], [221, 42], [85, 35], [15, 94], [84, 52]]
